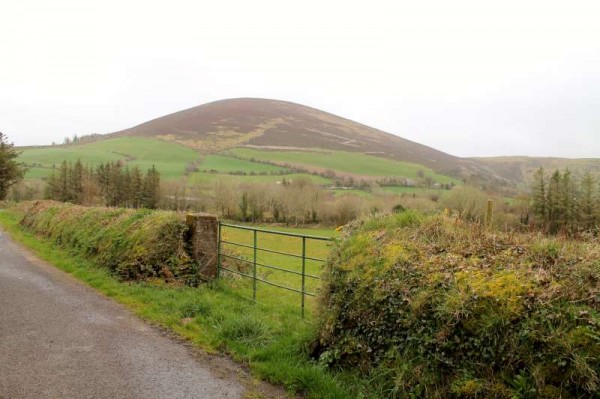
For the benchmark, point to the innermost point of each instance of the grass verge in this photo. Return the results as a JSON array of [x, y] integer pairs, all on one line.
[[271, 341]]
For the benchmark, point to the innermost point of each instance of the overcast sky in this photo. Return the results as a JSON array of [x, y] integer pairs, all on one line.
[[471, 78]]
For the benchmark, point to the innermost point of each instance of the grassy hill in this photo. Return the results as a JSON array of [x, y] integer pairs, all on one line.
[[280, 125], [236, 138], [256, 140]]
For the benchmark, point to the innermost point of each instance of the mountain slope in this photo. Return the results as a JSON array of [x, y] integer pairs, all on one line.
[[272, 124], [520, 169]]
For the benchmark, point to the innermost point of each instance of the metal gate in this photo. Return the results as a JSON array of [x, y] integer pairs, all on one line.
[[260, 256]]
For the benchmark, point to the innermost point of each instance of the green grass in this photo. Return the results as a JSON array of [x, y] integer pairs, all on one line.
[[226, 164], [169, 158], [209, 179], [344, 162], [272, 295], [270, 339], [415, 190]]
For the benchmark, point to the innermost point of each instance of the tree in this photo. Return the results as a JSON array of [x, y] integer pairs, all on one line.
[[540, 206], [11, 171], [588, 208], [468, 202], [151, 189]]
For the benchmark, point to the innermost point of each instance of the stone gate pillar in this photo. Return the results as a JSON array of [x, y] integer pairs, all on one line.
[[204, 230]]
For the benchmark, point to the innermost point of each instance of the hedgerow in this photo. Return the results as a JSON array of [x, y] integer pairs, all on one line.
[[132, 243], [427, 307]]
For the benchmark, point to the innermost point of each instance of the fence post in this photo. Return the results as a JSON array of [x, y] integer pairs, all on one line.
[[489, 213], [254, 268], [204, 240], [303, 272], [219, 232]]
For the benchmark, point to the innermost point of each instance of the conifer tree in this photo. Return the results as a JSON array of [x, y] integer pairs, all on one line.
[[588, 209], [540, 206], [151, 189]]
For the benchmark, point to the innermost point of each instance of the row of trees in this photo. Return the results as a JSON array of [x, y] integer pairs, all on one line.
[[111, 184], [564, 203]]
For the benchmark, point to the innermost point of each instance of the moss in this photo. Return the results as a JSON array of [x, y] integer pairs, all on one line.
[[493, 315], [132, 243]]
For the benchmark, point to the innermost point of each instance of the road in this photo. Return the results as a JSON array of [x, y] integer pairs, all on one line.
[[61, 339]]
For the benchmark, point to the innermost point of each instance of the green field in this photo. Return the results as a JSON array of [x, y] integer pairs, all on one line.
[[266, 293], [225, 164], [343, 162], [209, 179], [415, 190], [170, 159]]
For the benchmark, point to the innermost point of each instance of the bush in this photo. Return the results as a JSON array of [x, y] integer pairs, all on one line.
[[132, 243], [426, 307]]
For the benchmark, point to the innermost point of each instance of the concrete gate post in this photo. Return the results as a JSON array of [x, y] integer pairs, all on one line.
[[204, 230]]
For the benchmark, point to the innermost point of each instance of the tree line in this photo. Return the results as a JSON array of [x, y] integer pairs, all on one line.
[[110, 183], [564, 203]]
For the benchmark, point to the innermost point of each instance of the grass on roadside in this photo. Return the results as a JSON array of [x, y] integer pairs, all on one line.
[[271, 340]]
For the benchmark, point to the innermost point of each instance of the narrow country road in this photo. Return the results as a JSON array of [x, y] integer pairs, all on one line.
[[61, 339]]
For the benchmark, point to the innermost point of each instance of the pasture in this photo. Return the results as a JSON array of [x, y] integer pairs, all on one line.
[[344, 163], [265, 293], [169, 158]]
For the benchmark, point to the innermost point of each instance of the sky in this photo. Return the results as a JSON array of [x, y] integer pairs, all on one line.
[[471, 78]]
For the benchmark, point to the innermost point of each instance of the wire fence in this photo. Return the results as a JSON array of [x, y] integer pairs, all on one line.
[[264, 257]]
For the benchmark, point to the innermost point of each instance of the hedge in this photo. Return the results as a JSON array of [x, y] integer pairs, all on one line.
[[425, 306], [132, 243]]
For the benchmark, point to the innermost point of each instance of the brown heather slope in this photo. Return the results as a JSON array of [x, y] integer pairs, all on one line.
[[284, 125]]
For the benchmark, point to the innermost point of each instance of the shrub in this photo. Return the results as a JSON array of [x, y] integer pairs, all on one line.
[[132, 243], [428, 307]]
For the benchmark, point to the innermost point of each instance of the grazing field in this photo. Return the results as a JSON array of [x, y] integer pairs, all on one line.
[[343, 162], [225, 164], [415, 190], [268, 294], [170, 159], [209, 179]]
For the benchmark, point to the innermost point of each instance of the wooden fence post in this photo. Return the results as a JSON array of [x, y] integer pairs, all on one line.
[[489, 213]]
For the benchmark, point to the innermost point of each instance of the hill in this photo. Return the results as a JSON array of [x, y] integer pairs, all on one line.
[[279, 125], [520, 169]]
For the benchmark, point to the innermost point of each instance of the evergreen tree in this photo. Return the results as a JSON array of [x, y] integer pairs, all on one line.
[[554, 203], [540, 206], [52, 187], [11, 171], [75, 182], [136, 187], [588, 209], [568, 202], [151, 189]]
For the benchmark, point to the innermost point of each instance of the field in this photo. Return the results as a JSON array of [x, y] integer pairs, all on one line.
[[343, 162], [209, 179], [182, 166], [224, 164], [170, 159], [272, 242]]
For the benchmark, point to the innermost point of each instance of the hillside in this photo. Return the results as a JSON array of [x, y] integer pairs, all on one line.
[[520, 169], [280, 125]]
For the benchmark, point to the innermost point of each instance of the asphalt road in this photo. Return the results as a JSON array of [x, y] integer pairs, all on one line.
[[61, 339]]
